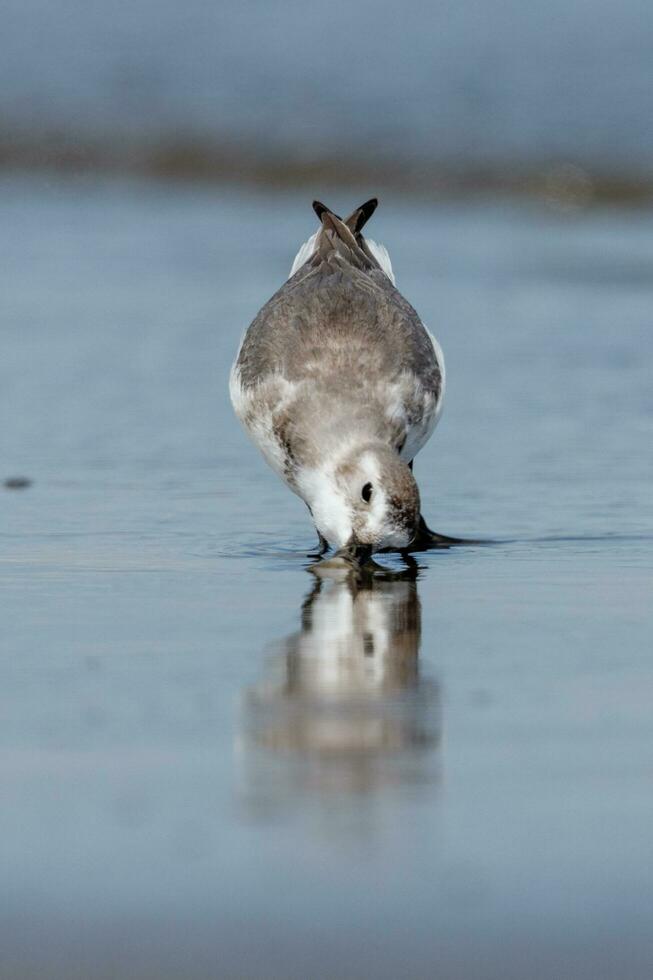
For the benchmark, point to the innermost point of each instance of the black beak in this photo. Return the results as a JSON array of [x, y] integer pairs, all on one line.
[[354, 553]]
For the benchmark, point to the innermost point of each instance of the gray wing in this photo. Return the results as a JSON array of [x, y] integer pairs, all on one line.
[[332, 322]]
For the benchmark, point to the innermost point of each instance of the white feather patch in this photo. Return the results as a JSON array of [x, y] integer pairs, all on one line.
[[331, 513], [381, 255], [439, 355], [304, 254], [256, 406]]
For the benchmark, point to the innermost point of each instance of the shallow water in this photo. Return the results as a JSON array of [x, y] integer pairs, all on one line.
[[214, 763]]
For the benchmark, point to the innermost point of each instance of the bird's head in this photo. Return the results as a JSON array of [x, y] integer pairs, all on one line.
[[370, 502]]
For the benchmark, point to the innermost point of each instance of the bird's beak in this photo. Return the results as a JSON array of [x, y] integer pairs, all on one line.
[[347, 560], [354, 553]]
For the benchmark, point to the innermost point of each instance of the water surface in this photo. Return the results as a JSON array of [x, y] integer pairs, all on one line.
[[214, 763]]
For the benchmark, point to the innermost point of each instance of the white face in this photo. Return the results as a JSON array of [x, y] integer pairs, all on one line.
[[356, 508]]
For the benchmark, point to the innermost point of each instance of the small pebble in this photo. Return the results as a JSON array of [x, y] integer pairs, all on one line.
[[17, 483]]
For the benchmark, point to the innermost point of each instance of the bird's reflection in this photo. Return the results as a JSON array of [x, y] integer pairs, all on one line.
[[344, 707]]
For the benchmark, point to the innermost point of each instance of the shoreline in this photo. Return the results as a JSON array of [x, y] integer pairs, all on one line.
[[562, 184]]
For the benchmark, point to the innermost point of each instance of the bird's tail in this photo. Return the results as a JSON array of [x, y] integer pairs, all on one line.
[[345, 238]]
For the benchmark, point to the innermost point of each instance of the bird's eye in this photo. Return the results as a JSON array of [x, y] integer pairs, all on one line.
[[366, 493]]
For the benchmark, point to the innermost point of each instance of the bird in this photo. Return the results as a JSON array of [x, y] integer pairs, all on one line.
[[339, 384]]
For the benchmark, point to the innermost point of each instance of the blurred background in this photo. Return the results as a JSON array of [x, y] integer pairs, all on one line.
[[426, 98], [213, 763]]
